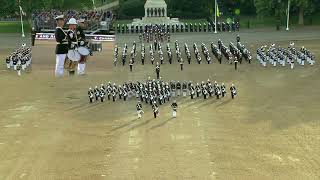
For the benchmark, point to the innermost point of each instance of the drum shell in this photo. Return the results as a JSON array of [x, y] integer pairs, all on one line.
[[83, 59], [70, 65]]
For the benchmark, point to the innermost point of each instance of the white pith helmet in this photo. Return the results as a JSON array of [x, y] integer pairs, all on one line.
[[72, 21]]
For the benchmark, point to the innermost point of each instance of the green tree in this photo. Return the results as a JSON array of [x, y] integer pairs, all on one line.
[[131, 8], [304, 7], [301, 7]]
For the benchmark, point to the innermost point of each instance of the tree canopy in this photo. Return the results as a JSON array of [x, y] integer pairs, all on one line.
[[205, 8]]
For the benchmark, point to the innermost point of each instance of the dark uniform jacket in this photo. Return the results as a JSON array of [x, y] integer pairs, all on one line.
[[80, 35], [139, 107], [72, 38], [157, 68], [174, 106], [62, 41]]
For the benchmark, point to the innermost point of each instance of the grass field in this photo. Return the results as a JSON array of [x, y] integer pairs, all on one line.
[[13, 27]]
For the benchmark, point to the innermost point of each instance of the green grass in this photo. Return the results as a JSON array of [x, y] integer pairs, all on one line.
[[123, 21], [193, 21], [270, 21], [13, 27], [255, 22]]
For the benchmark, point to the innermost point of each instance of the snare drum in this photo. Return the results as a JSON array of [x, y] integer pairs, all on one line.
[[73, 55], [84, 52]]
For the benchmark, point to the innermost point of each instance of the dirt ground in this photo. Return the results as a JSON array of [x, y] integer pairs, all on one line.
[[49, 131]]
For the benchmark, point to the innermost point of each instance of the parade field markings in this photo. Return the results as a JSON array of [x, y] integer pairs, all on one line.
[[269, 131]]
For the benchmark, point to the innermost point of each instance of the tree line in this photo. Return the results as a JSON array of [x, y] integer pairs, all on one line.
[[228, 8]]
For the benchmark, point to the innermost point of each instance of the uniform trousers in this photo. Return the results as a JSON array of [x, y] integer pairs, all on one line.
[[60, 58]]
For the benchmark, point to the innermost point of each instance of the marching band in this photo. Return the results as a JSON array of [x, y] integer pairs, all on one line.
[[72, 53], [158, 92], [20, 59], [283, 56], [234, 54], [151, 30]]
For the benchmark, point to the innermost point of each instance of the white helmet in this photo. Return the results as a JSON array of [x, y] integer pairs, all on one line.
[[72, 21]]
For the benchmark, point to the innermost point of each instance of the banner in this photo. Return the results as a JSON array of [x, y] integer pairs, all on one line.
[[93, 37]]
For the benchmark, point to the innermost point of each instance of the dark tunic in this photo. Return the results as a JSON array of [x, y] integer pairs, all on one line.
[[62, 41], [80, 35], [71, 36], [174, 106], [139, 107]]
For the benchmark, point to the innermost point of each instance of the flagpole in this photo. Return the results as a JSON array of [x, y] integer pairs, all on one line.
[[22, 28], [288, 15], [215, 16], [94, 6]]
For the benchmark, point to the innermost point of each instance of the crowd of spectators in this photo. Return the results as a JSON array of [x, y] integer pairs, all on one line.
[[45, 19]]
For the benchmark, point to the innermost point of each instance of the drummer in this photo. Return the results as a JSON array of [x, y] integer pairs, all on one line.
[[73, 43], [82, 43]]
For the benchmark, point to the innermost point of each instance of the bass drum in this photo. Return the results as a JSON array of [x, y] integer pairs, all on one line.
[[83, 51], [74, 55]]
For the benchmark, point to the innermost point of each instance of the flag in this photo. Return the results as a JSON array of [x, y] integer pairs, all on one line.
[[22, 12], [218, 12]]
